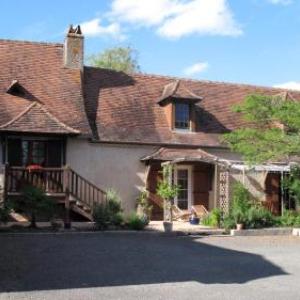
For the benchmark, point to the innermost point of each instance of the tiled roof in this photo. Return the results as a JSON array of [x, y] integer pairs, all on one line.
[[38, 69], [37, 119], [183, 154], [176, 89], [124, 108], [115, 106]]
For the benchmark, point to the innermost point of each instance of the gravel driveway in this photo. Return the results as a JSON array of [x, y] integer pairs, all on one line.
[[148, 266]]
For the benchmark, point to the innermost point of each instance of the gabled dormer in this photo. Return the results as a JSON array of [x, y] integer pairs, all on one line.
[[15, 89], [179, 105]]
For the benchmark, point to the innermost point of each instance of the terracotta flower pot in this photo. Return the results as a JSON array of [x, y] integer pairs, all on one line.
[[239, 226]]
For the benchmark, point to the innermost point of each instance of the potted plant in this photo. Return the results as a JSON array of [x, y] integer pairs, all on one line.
[[194, 219], [240, 205], [168, 191], [239, 220]]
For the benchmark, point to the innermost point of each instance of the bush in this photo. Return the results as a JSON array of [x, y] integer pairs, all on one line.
[[4, 214], [228, 222], [144, 209], [35, 202], [213, 219], [136, 223], [259, 217], [101, 216], [109, 213], [289, 219], [113, 201], [117, 219], [244, 211], [240, 203]]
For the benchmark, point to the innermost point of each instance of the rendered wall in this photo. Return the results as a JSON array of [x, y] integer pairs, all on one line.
[[111, 166]]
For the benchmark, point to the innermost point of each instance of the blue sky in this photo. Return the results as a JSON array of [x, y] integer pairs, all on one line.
[[246, 41]]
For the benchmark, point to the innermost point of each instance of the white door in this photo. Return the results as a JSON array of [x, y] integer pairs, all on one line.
[[183, 178]]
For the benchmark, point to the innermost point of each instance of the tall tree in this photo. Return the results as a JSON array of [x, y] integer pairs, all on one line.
[[118, 58], [273, 132]]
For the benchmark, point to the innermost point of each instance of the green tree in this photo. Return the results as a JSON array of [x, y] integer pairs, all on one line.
[[35, 202], [168, 191], [273, 133], [119, 58]]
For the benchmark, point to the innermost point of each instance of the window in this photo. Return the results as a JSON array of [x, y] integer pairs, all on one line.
[[182, 182], [24, 152], [34, 153], [182, 116]]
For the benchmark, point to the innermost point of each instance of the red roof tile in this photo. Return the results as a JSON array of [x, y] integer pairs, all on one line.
[[170, 154], [38, 69], [124, 108], [36, 119]]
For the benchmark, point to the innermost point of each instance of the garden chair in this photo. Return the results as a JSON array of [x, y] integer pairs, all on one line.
[[179, 214], [199, 210]]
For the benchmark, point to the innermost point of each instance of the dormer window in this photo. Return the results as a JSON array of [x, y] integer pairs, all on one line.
[[179, 104], [182, 116]]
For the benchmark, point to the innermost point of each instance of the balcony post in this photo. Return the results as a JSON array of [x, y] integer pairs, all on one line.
[[5, 182], [67, 221]]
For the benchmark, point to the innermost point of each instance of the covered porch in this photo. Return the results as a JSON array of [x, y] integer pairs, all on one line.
[[207, 180], [39, 160]]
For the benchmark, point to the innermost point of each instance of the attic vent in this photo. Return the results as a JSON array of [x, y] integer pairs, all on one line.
[[16, 89]]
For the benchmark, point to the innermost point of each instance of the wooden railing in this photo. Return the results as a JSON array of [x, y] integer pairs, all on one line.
[[49, 180], [83, 190], [64, 181]]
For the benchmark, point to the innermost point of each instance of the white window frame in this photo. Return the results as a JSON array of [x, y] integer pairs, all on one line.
[[190, 183]]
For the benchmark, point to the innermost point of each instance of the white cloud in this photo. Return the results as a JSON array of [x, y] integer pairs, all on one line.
[[142, 12], [196, 69], [93, 28], [178, 18], [282, 2], [291, 85], [202, 17]]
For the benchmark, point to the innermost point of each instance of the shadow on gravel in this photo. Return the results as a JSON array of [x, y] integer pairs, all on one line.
[[69, 261]]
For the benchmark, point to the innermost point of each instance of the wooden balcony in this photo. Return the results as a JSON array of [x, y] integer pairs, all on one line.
[[63, 183]]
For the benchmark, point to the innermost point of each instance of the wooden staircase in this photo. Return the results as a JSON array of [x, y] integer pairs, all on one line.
[[157, 204], [62, 184]]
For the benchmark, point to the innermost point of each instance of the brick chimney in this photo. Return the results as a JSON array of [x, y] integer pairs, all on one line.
[[73, 48]]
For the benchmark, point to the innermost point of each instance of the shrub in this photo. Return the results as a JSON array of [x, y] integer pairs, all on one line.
[[213, 219], [259, 217], [136, 223], [101, 216], [113, 201], [144, 209], [4, 213], [228, 222], [34, 201], [289, 218], [240, 203], [117, 219], [109, 213]]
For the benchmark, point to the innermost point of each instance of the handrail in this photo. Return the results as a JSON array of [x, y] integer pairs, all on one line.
[[87, 181], [83, 190], [55, 180], [39, 170], [155, 199]]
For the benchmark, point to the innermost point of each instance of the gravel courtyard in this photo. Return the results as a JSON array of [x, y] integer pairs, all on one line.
[[148, 266]]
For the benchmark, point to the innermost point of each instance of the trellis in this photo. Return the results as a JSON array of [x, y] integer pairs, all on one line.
[[224, 190]]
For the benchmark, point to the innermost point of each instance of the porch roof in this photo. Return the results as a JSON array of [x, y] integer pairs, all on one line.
[[37, 119], [180, 155], [177, 155]]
